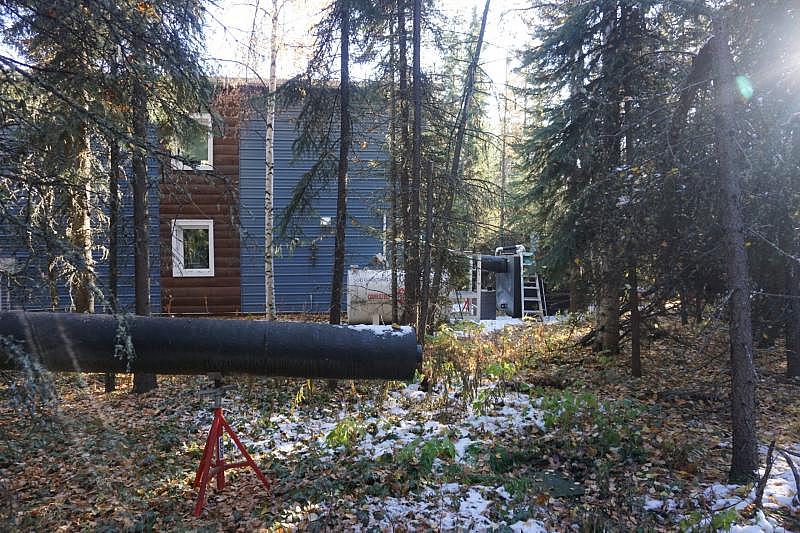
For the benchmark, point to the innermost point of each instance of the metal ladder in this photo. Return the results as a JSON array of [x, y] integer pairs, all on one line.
[[534, 301]]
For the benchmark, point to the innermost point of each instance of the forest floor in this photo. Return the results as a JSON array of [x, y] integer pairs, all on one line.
[[520, 430]]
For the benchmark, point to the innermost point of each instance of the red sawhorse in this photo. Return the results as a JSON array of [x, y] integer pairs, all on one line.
[[213, 464]]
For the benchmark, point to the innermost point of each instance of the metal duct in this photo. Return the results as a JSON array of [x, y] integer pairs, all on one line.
[[66, 342], [494, 263]]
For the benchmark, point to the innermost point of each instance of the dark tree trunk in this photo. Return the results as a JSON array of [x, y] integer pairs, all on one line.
[[141, 280], [469, 89], [341, 177], [636, 325], [575, 297], [744, 460], [609, 250], [698, 307], [113, 229], [683, 295], [409, 303], [607, 339], [793, 289], [793, 307], [412, 278]]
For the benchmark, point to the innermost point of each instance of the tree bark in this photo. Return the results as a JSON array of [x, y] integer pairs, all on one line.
[[412, 275], [607, 339], [426, 267], [344, 152], [792, 291], [81, 225], [697, 78], [610, 250], [141, 280], [574, 296], [110, 379], [402, 48], [503, 161], [744, 460], [683, 296], [269, 272], [636, 321], [793, 282]]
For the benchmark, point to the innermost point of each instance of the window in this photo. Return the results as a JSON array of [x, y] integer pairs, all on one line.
[[196, 145], [325, 226], [192, 248]]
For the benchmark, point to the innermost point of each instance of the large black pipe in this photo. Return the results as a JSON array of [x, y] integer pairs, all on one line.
[[65, 342]]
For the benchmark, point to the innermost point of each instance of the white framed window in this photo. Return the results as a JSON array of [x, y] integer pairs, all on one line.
[[325, 226], [192, 248], [196, 145]]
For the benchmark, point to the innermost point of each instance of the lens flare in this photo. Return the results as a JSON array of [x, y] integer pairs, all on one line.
[[745, 87]]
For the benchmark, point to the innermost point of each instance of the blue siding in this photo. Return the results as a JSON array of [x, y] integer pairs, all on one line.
[[303, 272], [125, 258], [32, 293]]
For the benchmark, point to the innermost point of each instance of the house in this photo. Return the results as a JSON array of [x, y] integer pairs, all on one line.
[[207, 224]]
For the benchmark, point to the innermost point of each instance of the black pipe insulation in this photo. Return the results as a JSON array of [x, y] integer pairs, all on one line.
[[69, 342], [494, 263]]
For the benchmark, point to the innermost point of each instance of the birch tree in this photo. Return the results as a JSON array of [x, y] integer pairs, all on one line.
[[269, 273]]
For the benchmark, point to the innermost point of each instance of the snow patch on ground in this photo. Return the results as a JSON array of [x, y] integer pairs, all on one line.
[[529, 526], [761, 524], [557, 319], [398, 331], [490, 326], [443, 508], [651, 504], [779, 494], [402, 418]]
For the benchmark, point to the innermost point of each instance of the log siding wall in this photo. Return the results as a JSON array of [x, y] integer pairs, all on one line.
[[205, 195]]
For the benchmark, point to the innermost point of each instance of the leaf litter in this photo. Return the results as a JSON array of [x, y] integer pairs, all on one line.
[[566, 440]]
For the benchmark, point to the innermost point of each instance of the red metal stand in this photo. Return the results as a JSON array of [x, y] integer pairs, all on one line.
[[213, 463]]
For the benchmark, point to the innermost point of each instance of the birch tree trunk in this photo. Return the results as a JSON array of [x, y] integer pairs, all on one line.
[[426, 258], [269, 272], [344, 152], [744, 460], [393, 176]]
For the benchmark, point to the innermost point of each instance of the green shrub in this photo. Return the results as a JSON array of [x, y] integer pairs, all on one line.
[[346, 433], [419, 455], [602, 425]]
